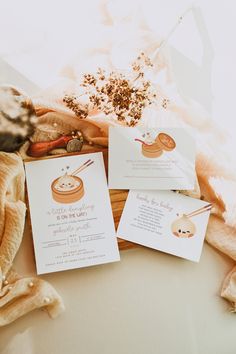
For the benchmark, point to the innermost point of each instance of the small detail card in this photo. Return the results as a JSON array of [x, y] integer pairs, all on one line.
[[71, 214], [151, 159], [166, 221]]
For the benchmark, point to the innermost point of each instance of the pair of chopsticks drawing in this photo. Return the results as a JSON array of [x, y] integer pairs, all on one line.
[[141, 141], [82, 167], [200, 211]]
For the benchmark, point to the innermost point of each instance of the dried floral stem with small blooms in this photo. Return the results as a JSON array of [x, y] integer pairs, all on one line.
[[117, 95]]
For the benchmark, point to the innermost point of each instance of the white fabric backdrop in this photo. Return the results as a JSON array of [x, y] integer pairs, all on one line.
[[39, 37]]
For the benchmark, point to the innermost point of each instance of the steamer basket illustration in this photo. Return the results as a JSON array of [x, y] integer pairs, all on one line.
[[152, 150], [68, 196], [162, 142], [166, 142], [69, 188]]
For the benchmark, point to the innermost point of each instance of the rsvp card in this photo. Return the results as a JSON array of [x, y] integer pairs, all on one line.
[[71, 215], [141, 158], [166, 221]]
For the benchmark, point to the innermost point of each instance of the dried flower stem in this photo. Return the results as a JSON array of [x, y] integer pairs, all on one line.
[[115, 94]]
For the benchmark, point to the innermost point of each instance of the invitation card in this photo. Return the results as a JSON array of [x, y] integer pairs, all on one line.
[[141, 158], [71, 214], [166, 221]]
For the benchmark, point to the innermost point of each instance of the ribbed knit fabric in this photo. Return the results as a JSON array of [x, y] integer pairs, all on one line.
[[18, 295]]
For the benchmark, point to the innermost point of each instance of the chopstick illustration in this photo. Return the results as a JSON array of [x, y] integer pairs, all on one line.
[[200, 210], [140, 141], [82, 167]]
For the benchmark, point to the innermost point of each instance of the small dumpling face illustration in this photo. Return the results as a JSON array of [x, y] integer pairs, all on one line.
[[69, 188], [183, 227], [66, 183]]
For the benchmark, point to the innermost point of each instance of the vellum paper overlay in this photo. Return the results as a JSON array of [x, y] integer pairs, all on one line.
[[166, 221], [140, 158], [71, 215]]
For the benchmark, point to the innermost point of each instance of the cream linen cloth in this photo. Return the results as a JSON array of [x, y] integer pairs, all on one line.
[[18, 295]]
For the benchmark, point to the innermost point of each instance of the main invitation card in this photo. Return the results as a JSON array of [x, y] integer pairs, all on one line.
[[71, 215]]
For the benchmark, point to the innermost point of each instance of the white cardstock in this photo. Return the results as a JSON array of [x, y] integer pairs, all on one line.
[[71, 214], [162, 220], [151, 159]]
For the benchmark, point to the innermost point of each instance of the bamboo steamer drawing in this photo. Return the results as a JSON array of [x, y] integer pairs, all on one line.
[[184, 227], [69, 188], [154, 147]]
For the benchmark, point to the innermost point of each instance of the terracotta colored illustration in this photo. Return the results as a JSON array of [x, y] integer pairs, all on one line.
[[69, 188], [184, 227], [154, 147]]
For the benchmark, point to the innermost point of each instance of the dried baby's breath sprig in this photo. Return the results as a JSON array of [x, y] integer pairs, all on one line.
[[140, 64], [122, 96], [165, 103], [72, 102]]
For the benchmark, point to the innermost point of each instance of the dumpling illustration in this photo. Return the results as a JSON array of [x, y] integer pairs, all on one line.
[[183, 227], [148, 138], [66, 183]]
